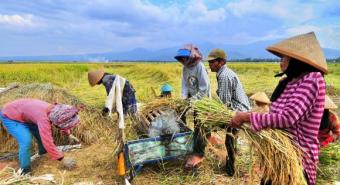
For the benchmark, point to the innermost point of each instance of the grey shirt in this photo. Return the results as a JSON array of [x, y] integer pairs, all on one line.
[[195, 82]]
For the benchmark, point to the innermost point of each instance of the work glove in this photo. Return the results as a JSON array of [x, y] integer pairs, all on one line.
[[69, 163], [73, 139]]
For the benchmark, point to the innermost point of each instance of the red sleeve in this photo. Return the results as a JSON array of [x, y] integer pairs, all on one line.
[[45, 131]]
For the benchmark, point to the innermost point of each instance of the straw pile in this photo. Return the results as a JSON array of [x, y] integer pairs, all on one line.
[[277, 154], [93, 127]]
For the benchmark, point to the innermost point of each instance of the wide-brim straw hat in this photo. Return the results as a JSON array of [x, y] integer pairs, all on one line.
[[329, 104], [305, 48], [260, 97], [95, 76]]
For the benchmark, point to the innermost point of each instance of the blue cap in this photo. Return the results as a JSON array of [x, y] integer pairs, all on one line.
[[166, 88], [182, 53]]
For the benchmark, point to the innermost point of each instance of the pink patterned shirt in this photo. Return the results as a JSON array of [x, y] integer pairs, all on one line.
[[298, 110]]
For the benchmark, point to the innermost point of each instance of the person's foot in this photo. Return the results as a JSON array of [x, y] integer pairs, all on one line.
[[193, 162], [26, 171], [229, 168], [215, 140]]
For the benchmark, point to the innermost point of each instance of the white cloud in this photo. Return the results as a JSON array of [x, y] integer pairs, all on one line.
[[17, 20], [328, 35], [297, 30], [290, 11], [198, 11]]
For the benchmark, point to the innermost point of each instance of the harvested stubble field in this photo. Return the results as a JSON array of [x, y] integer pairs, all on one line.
[[96, 163]]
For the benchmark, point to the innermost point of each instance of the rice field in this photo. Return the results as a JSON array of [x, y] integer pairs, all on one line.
[[72, 77]]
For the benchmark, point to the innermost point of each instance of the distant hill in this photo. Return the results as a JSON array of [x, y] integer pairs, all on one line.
[[253, 50]]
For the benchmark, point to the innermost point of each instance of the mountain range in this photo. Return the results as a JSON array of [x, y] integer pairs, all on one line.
[[253, 50]]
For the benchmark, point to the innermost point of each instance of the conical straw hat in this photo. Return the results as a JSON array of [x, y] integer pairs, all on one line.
[[305, 48], [329, 104], [260, 97], [95, 76]]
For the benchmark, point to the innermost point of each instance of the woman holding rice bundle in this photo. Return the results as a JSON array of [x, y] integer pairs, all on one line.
[[298, 100], [26, 117]]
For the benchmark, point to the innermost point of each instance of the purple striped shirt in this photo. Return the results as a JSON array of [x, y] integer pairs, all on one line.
[[298, 110]]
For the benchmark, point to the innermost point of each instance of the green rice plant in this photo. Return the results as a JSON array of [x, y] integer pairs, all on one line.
[[329, 162]]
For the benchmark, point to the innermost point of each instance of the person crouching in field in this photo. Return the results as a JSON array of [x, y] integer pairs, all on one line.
[[166, 90], [298, 100], [118, 90], [231, 93], [261, 102], [23, 118], [329, 130], [195, 85]]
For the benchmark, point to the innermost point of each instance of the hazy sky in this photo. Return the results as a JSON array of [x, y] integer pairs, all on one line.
[[49, 27]]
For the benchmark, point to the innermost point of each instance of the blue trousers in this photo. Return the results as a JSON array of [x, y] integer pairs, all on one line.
[[23, 132]]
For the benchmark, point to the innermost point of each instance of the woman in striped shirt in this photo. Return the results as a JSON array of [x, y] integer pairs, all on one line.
[[298, 100]]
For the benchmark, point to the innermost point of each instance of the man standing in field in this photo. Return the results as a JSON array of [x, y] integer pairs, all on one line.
[[231, 93]]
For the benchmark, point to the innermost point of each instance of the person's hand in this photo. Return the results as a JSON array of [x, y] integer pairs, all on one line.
[[69, 163], [73, 139], [81, 106], [105, 111], [239, 118], [35, 157]]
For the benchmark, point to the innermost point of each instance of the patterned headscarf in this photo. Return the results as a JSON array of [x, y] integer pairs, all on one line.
[[64, 116], [195, 55]]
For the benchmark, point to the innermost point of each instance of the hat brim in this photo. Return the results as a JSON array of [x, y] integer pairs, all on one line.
[[211, 58], [280, 53], [183, 53], [180, 57]]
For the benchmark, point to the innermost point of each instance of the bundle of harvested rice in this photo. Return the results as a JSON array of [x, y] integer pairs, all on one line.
[[93, 126], [176, 104], [280, 157]]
